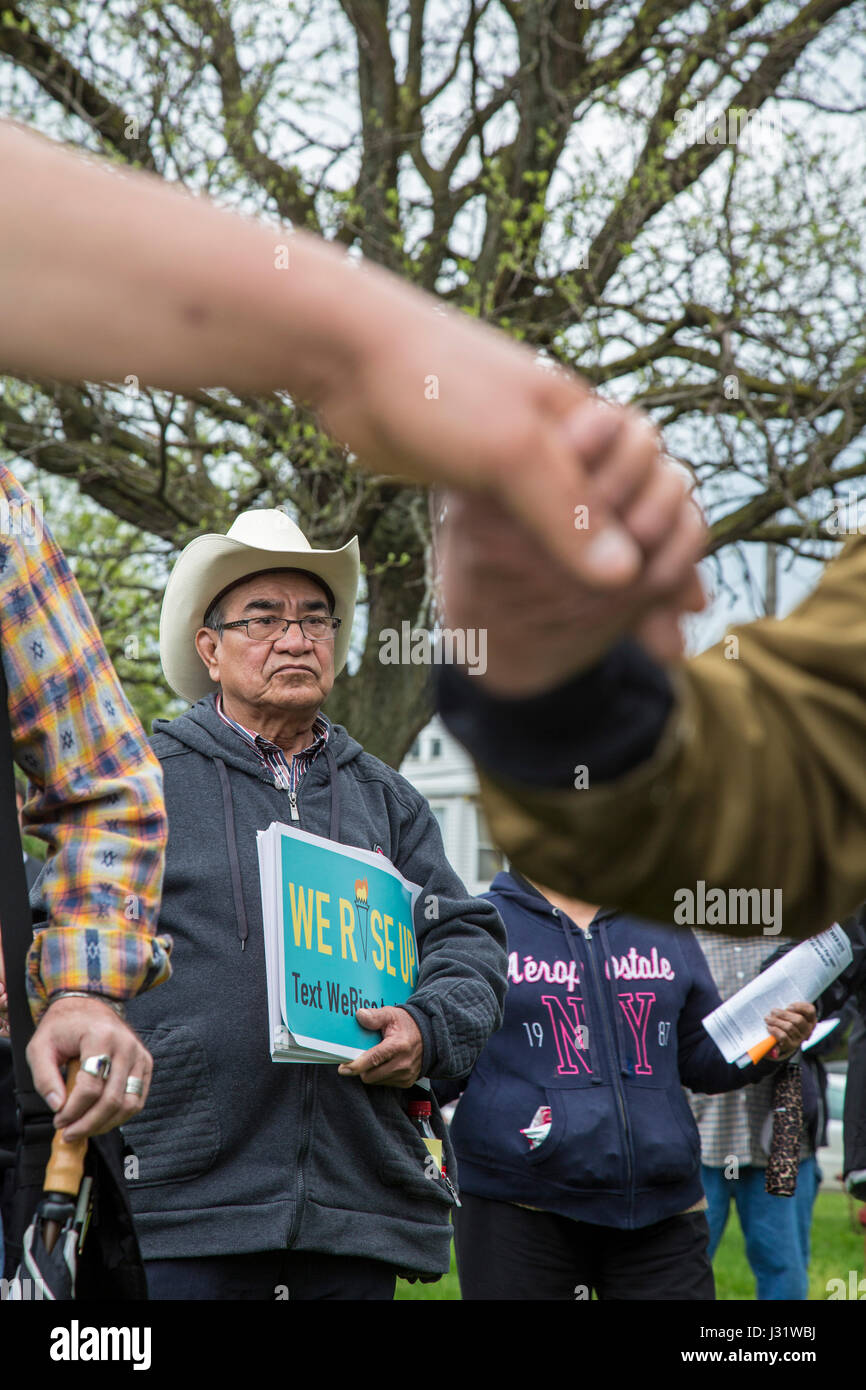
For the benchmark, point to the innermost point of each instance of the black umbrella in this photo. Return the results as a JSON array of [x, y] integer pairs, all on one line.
[[52, 1241]]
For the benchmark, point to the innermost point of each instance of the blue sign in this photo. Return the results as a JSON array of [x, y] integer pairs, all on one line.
[[348, 940]]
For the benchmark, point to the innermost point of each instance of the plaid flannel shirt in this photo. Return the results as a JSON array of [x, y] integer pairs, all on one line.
[[96, 788]]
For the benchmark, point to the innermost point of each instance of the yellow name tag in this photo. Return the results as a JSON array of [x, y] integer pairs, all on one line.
[[435, 1147]]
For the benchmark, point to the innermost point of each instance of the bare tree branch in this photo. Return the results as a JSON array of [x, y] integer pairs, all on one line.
[[64, 83]]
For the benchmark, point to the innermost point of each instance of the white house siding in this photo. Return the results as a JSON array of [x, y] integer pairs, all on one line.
[[442, 772]]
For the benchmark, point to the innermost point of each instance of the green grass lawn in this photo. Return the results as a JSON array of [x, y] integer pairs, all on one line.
[[836, 1249]]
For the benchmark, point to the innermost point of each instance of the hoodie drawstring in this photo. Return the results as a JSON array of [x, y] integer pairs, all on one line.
[[234, 863], [335, 793], [231, 839]]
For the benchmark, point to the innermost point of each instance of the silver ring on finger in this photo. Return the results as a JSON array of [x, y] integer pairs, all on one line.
[[98, 1065], [134, 1086]]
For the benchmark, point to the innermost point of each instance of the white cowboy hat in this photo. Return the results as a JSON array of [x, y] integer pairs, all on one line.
[[256, 541]]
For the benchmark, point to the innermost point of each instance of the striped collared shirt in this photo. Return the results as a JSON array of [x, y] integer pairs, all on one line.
[[96, 788], [734, 1125], [287, 772]]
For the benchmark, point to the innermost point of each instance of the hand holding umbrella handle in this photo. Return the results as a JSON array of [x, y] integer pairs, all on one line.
[[66, 1165], [65, 1168]]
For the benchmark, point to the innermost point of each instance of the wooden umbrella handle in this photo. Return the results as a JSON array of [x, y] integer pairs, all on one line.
[[66, 1164]]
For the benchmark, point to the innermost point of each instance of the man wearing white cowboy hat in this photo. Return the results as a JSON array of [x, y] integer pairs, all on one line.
[[253, 1177]]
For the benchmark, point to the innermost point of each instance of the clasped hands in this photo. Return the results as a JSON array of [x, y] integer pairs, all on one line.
[[545, 619]]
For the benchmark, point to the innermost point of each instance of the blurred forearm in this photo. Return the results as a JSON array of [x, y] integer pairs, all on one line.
[[188, 295]]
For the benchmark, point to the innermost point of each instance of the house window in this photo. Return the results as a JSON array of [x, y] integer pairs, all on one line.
[[490, 859], [435, 748], [415, 750]]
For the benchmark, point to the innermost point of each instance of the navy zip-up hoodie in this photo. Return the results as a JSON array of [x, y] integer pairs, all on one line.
[[623, 1149]]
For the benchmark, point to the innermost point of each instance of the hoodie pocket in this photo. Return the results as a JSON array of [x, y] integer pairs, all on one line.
[[409, 1164], [584, 1148], [177, 1135], [367, 1156], [665, 1137]]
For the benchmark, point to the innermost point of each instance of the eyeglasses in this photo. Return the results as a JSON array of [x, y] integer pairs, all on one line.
[[314, 626]]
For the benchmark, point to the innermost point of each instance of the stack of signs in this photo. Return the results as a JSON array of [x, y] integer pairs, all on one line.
[[339, 936]]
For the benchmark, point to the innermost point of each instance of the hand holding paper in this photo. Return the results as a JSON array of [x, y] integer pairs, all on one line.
[[738, 1027], [396, 1060], [789, 1028]]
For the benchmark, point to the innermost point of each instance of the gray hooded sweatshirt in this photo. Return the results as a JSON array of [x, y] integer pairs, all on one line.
[[236, 1153]]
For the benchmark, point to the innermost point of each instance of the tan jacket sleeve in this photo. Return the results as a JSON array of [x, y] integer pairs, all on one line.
[[759, 779]]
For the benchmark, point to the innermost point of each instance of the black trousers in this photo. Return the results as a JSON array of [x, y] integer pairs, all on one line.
[[509, 1252], [273, 1275]]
